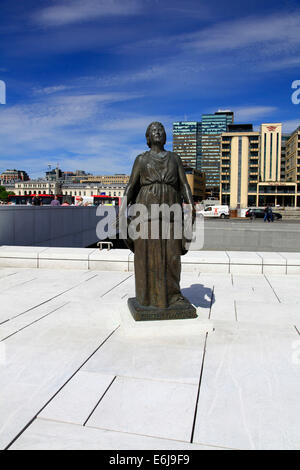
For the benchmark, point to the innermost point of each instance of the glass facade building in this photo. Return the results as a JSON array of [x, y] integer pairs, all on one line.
[[186, 141], [199, 144], [213, 125]]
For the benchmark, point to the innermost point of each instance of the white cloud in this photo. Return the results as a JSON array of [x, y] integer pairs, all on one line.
[[283, 64], [70, 129], [51, 90], [249, 113], [276, 29], [75, 11]]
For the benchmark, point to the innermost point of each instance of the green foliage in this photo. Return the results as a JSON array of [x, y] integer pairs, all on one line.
[[4, 194]]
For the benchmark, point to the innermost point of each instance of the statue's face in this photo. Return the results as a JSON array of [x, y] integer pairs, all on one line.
[[157, 134]]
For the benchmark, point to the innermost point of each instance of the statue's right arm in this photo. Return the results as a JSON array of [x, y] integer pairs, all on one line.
[[133, 184]]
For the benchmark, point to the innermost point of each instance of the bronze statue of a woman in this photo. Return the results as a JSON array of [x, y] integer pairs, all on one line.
[[158, 178]]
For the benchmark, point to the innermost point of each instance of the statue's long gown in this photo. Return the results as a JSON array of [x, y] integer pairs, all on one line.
[[158, 179]]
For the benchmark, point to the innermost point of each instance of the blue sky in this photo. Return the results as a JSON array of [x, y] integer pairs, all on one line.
[[85, 78]]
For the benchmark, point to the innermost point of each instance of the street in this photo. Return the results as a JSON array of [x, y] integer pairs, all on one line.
[[251, 235]]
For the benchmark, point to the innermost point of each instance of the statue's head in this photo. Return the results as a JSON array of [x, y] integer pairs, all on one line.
[[156, 133]]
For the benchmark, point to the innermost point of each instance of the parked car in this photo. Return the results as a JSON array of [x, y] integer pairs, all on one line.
[[260, 213], [215, 211]]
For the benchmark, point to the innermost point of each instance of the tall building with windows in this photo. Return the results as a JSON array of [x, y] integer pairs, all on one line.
[[284, 139], [186, 141], [239, 166], [212, 126], [293, 157], [9, 176], [259, 168]]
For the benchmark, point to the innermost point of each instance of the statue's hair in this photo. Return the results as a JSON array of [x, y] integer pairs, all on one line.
[[148, 133]]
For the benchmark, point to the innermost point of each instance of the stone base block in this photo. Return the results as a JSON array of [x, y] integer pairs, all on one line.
[[174, 312]]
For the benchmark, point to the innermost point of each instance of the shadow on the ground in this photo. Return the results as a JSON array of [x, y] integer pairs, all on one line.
[[199, 295]]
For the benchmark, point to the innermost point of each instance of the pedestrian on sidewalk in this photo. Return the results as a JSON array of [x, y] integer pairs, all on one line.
[[55, 202], [268, 214]]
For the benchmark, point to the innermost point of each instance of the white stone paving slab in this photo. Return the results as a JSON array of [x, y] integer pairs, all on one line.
[[268, 314], [249, 396], [222, 310], [76, 401], [39, 290], [170, 353], [52, 435], [99, 285], [147, 407], [6, 272], [285, 287], [39, 360], [250, 384], [122, 291], [23, 321]]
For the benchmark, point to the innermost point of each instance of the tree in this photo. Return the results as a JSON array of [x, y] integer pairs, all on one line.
[[4, 194]]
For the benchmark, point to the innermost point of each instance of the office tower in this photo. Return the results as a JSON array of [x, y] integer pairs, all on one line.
[[212, 126], [186, 138], [260, 168], [270, 153], [293, 158], [239, 166], [284, 139]]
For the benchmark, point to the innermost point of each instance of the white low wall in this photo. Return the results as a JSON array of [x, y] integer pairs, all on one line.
[[235, 262]]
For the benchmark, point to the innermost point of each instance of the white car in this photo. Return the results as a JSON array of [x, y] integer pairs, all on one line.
[[215, 211]]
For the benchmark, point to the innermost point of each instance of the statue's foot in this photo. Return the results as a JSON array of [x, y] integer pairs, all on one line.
[[180, 301]]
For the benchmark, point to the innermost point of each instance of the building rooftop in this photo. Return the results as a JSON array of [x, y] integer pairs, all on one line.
[[78, 373]]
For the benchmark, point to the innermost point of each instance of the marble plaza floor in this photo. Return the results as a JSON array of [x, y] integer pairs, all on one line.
[[76, 372]]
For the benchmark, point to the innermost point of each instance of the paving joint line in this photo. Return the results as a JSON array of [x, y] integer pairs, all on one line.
[[58, 391], [272, 288], [98, 403], [199, 387], [117, 285], [18, 285], [32, 323], [49, 300]]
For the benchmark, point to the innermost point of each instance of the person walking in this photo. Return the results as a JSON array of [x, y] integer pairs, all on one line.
[[268, 214], [55, 202]]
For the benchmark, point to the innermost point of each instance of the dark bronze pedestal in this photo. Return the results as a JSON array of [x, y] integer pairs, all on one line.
[[179, 311]]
